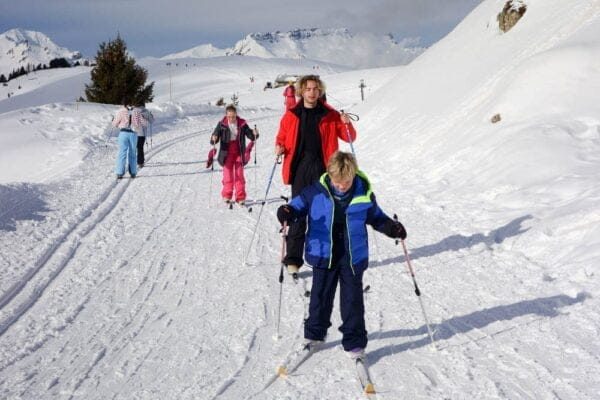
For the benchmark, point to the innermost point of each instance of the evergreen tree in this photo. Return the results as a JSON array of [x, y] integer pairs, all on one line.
[[116, 76], [3, 79], [59, 63]]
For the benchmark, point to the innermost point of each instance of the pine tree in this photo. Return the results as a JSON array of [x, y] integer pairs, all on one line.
[[116, 76], [3, 79], [59, 63]]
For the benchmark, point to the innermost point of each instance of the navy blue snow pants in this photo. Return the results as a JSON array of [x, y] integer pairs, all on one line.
[[352, 306]]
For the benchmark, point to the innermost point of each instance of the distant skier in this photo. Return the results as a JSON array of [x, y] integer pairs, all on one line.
[[338, 207], [308, 136], [232, 132], [128, 120], [290, 95], [142, 133]]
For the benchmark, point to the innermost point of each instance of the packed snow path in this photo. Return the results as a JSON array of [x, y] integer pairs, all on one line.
[[145, 296]]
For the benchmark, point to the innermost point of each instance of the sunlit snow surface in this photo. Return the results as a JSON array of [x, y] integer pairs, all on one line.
[[137, 290]]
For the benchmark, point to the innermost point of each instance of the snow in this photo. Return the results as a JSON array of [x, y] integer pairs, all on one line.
[[137, 289]]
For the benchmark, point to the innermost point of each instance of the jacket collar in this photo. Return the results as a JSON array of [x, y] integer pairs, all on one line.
[[361, 186], [240, 121], [297, 109]]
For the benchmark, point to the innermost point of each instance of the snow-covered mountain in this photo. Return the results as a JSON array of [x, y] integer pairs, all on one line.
[[336, 46], [202, 51], [20, 48]]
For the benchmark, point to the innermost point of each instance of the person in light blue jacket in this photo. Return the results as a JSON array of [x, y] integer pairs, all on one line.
[[339, 206]]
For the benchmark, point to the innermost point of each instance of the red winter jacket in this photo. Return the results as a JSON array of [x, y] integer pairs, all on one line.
[[331, 128]]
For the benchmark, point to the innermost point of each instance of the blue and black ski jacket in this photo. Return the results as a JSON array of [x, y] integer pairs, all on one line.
[[316, 202]]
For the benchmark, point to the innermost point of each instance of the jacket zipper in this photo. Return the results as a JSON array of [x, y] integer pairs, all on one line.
[[331, 230], [349, 244]]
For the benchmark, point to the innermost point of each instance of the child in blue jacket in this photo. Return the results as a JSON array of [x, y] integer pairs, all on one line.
[[339, 207]]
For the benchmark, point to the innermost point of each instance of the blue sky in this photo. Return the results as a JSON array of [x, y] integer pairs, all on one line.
[[157, 28]]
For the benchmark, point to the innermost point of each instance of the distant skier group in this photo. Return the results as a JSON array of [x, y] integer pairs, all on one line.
[[332, 200]]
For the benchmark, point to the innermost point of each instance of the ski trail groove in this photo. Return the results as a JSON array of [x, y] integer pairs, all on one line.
[[71, 239]]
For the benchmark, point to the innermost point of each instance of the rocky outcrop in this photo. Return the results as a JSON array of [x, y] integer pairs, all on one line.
[[511, 14]]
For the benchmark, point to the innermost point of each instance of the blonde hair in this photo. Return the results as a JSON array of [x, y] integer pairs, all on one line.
[[303, 81], [342, 165]]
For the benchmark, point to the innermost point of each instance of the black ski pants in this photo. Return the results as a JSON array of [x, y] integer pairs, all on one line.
[[140, 150], [352, 307], [308, 172]]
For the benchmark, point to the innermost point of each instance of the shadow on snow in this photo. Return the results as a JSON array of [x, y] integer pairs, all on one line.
[[21, 202], [544, 307], [459, 242]]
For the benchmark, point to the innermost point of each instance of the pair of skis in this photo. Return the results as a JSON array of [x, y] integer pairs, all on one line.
[[295, 359], [248, 204]]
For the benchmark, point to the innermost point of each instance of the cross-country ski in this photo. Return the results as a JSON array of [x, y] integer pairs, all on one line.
[[362, 371]]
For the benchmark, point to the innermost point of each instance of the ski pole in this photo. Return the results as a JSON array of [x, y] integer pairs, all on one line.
[[255, 149], [212, 169], [262, 206], [255, 178], [281, 275], [417, 291], [110, 131]]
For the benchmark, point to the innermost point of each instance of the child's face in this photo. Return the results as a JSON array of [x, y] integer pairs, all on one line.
[[231, 116], [342, 184]]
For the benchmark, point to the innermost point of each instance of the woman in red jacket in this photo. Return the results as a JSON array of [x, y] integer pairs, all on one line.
[[308, 136]]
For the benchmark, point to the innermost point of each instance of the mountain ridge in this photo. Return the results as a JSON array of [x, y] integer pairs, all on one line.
[[23, 48], [333, 45]]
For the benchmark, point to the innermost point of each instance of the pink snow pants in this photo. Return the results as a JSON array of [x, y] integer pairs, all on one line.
[[233, 175]]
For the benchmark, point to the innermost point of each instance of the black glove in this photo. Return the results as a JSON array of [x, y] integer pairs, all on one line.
[[395, 229], [285, 213]]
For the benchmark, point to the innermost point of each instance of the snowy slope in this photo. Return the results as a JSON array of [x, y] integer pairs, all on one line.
[[202, 51], [335, 46], [19, 48], [136, 289], [43, 87]]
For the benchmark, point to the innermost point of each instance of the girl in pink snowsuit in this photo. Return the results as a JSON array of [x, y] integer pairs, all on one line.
[[232, 132]]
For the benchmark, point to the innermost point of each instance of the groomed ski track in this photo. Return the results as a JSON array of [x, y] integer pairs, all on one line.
[[127, 303]]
